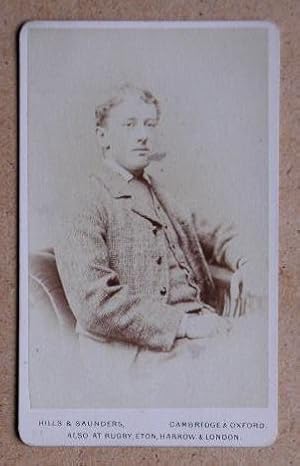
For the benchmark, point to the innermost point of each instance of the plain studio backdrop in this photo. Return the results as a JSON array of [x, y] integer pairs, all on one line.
[[212, 85], [213, 90]]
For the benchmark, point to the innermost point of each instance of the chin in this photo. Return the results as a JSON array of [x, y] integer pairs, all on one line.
[[140, 165]]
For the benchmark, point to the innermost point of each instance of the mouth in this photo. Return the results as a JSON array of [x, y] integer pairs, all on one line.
[[140, 149]]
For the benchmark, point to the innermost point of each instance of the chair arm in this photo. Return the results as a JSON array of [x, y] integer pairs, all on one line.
[[222, 299], [44, 277]]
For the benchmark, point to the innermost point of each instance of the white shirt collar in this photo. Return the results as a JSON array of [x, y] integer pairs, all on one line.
[[125, 174]]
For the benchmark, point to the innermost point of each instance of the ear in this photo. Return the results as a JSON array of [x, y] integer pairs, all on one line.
[[101, 133], [102, 139]]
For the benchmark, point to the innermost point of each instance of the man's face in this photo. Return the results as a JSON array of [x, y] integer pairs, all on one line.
[[130, 132]]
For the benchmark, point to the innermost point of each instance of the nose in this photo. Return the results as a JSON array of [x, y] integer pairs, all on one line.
[[142, 140], [142, 136]]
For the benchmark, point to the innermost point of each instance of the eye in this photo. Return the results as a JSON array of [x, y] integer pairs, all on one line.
[[129, 123], [150, 124]]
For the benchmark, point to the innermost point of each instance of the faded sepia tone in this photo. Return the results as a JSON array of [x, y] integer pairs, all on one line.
[[136, 243], [286, 16]]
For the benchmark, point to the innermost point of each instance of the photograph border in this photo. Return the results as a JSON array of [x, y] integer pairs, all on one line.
[[29, 428]]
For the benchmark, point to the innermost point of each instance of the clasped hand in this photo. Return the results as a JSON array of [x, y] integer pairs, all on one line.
[[205, 325]]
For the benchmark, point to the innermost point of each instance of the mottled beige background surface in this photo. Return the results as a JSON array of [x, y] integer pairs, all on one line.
[[286, 14]]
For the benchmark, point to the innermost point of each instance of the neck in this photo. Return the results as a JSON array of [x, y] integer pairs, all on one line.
[[137, 173], [114, 164]]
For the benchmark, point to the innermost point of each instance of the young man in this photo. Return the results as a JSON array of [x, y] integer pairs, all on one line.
[[133, 263]]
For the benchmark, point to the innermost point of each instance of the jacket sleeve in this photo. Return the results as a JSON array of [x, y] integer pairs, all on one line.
[[101, 304], [220, 244]]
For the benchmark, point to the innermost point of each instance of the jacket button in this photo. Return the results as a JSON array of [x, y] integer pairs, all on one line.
[[163, 291], [159, 260], [154, 230]]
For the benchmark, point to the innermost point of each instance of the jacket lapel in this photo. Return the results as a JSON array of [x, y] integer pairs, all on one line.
[[144, 212], [189, 242], [120, 189]]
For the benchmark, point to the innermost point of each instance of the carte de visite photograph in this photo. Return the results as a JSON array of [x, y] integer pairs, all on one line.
[[148, 196]]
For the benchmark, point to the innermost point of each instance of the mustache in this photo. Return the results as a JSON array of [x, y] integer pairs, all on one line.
[[157, 156]]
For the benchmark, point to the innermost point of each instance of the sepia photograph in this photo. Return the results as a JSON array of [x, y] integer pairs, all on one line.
[[148, 218]]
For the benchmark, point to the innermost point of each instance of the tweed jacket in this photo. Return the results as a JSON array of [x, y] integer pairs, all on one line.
[[107, 261]]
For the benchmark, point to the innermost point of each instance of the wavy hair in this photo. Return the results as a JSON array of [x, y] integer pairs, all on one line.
[[102, 111]]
